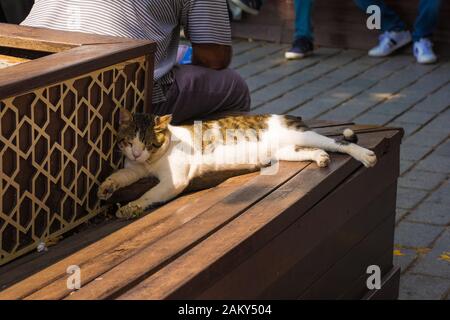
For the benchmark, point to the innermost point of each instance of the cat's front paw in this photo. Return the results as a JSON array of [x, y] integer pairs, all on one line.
[[129, 211], [322, 158], [106, 189], [368, 158]]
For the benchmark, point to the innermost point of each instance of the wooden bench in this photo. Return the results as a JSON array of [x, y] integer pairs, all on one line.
[[304, 233], [337, 24], [60, 95]]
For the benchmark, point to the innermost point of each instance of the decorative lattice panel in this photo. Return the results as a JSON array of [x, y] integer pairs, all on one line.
[[56, 146]]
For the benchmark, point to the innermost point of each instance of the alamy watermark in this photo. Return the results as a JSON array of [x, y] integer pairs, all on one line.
[[74, 280], [219, 146], [374, 20], [373, 282]]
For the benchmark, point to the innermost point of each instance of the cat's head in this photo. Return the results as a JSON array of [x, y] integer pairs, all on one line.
[[141, 136]]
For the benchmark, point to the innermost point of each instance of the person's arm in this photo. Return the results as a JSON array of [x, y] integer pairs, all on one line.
[[207, 25], [214, 56]]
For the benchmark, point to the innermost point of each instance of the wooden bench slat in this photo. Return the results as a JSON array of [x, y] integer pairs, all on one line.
[[75, 62], [290, 247], [322, 257], [35, 262], [171, 279], [98, 253], [182, 239], [49, 40], [347, 270]]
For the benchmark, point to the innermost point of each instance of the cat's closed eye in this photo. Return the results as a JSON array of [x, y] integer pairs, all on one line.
[[123, 144]]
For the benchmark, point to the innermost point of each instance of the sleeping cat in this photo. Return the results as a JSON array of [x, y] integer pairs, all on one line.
[[176, 154]]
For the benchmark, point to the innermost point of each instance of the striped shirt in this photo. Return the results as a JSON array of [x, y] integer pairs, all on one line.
[[203, 21]]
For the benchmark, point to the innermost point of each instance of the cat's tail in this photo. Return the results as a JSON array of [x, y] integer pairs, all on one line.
[[350, 136]]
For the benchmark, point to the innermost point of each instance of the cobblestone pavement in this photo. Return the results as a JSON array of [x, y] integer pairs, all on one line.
[[336, 84]]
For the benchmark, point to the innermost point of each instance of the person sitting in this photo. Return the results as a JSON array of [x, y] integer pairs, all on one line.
[[187, 91], [395, 34], [302, 45]]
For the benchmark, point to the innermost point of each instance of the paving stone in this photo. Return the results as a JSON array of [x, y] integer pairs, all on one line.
[[400, 80], [359, 104], [416, 235], [409, 128], [271, 92], [388, 67], [240, 47], [327, 99], [373, 118], [417, 117], [437, 261], [278, 106], [420, 287], [431, 212], [288, 74], [427, 138], [418, 179], [408, 198], [441, 195], [435, 163], [424, 86], [362, 81], [412, 152], [405, 165], [260, 66], [403, 258], [290, 100], [393, 106], [418, 91], [443, 149], [440, 123], [344, 112], [400, 214], [254, 55], [388, 88], [262, 80], [436, 102], [288, 78]]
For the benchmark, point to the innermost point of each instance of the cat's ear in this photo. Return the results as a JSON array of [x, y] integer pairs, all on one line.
[[162, 122], [125, 116]]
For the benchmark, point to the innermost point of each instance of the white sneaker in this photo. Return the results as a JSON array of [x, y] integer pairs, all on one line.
[[389, 42], [423, 51]]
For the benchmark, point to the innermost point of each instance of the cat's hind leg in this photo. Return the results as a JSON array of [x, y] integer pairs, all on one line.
[[314, 140], [297, 153]]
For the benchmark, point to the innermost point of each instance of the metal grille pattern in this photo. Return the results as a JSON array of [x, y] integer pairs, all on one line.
[[56, 146]]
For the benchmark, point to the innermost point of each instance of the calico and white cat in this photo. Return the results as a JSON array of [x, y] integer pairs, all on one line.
[[177, 154]]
